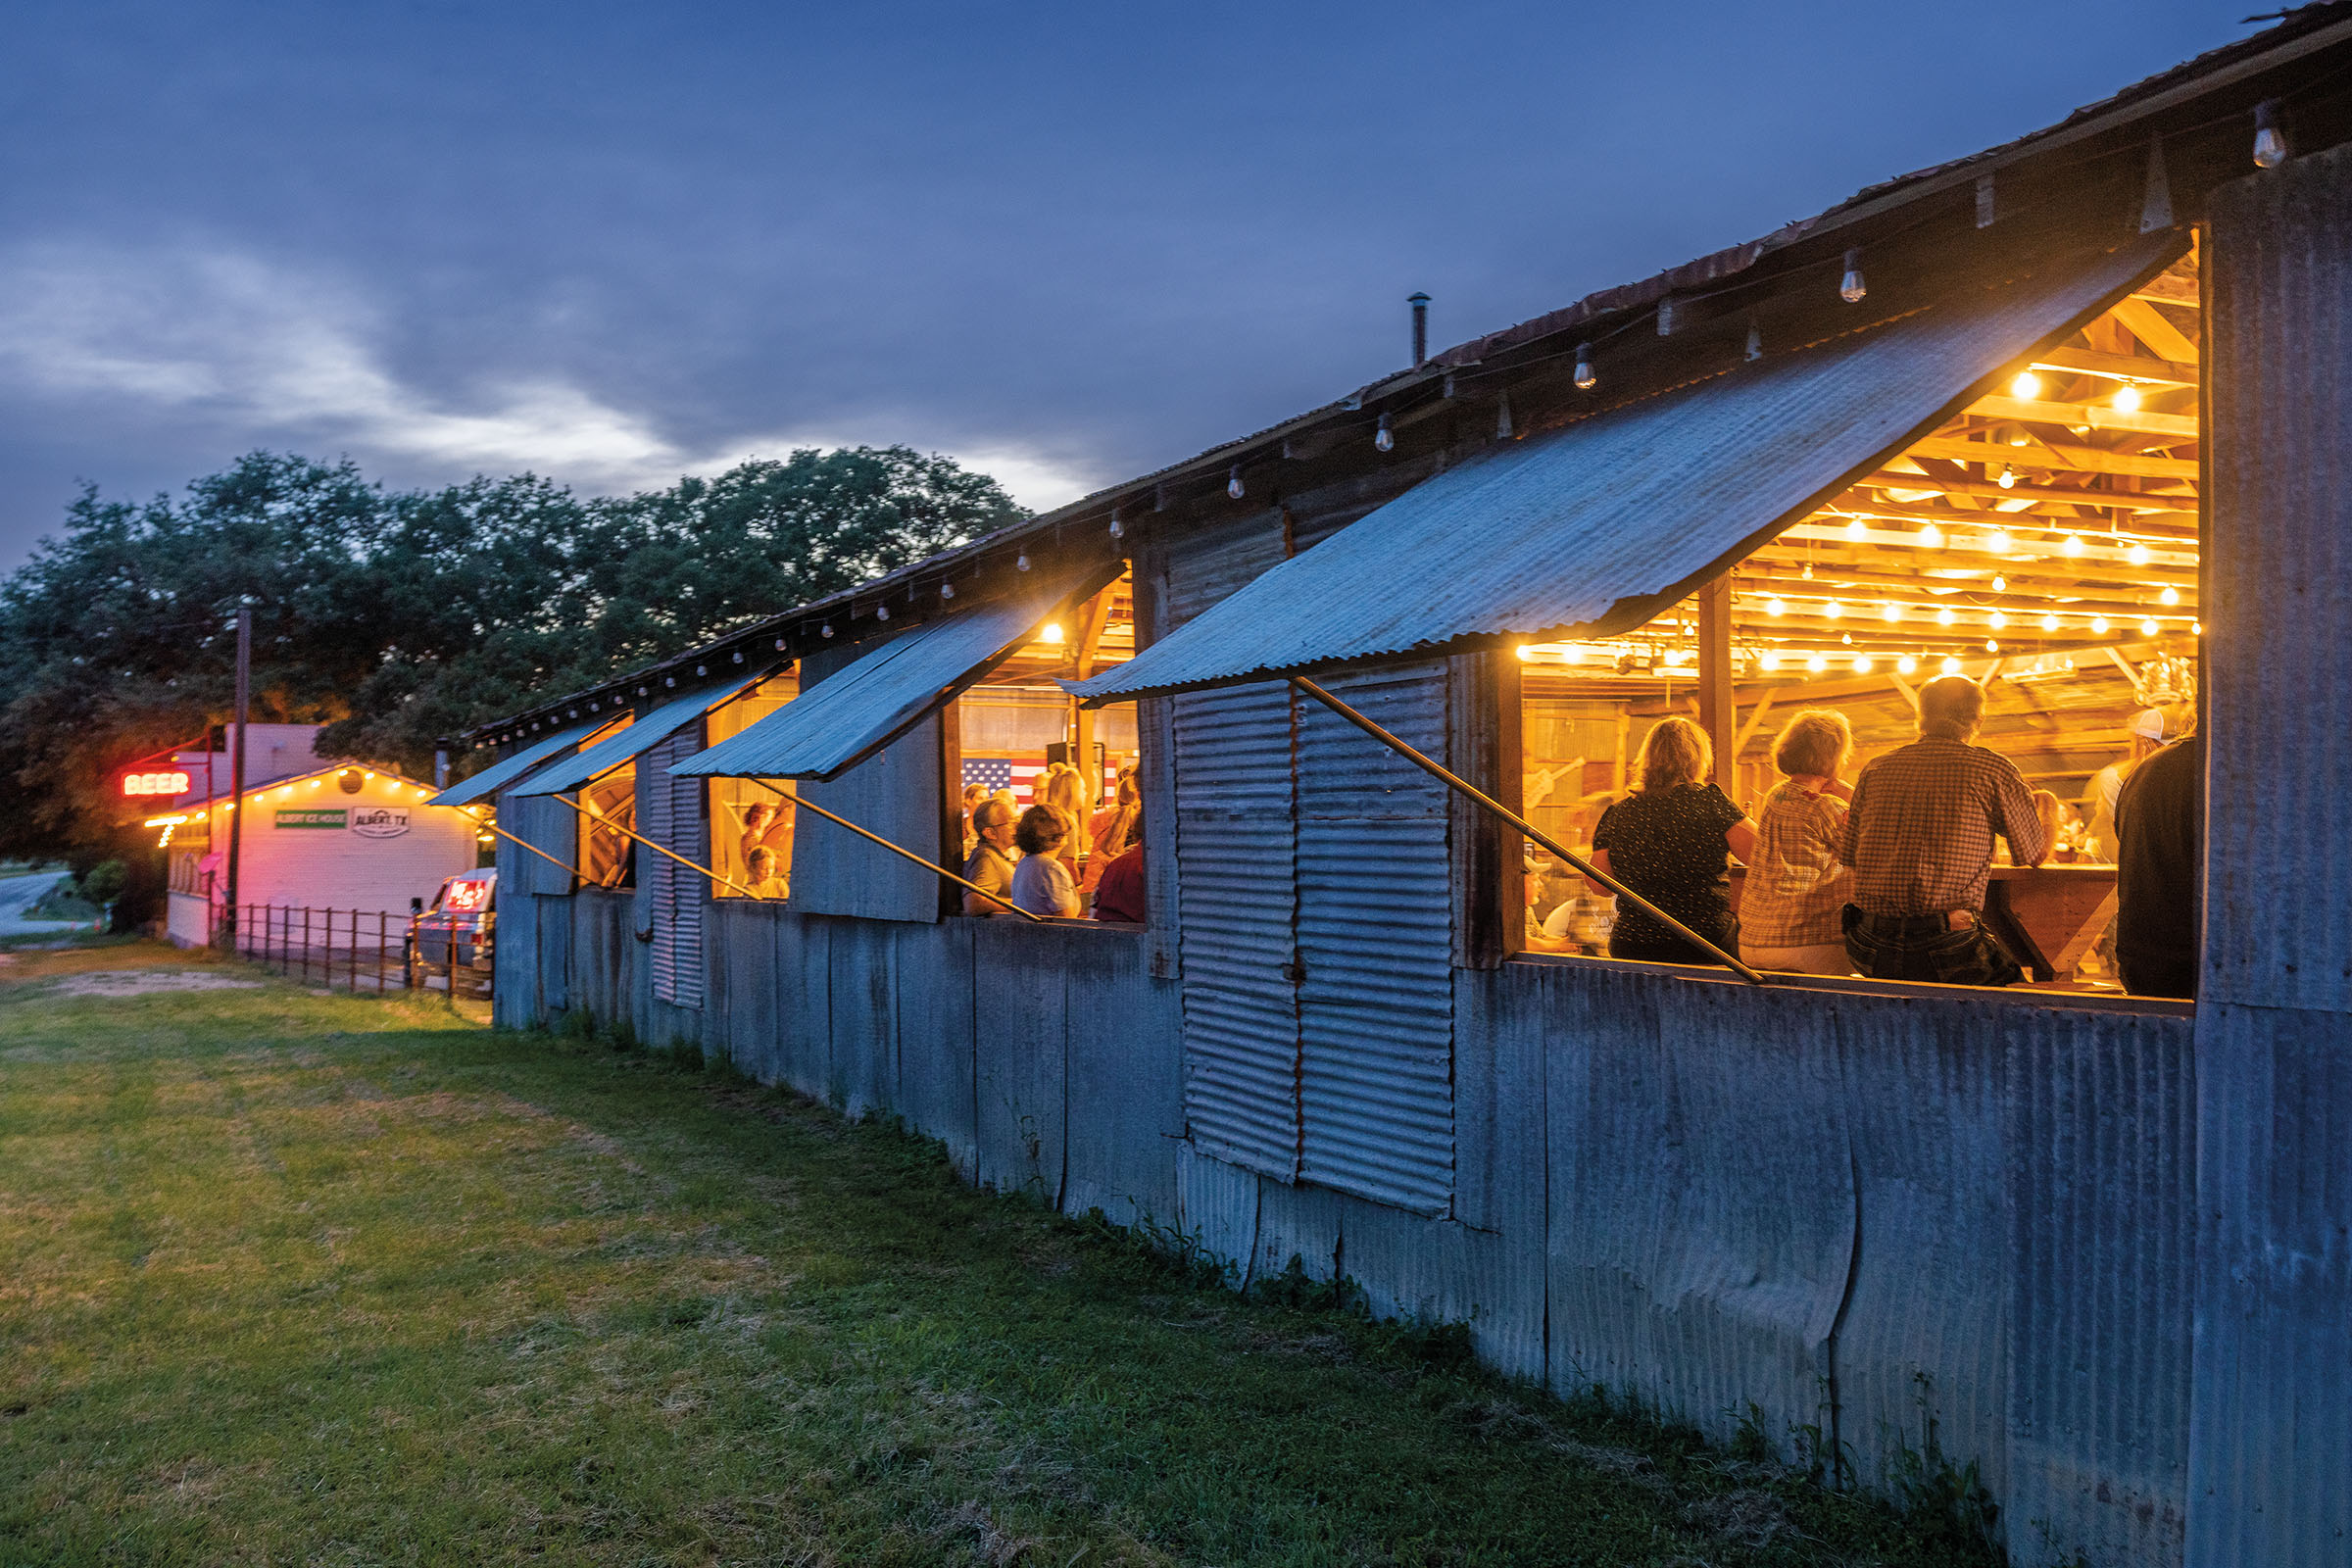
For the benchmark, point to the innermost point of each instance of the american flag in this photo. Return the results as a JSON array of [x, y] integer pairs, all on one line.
[[1017, 773]]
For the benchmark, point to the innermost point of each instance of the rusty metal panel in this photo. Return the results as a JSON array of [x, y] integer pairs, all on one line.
[[893, 686], [672, 812], [2100, 1124], [486, 784], [1236, 897], [2278, 588], [1218, 1210], [1589, 528], [1376, 945]]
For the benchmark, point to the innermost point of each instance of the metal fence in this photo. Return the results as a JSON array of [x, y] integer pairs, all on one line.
[[349, 948]]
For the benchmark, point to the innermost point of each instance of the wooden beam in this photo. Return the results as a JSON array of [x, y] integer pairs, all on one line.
[[1748, 731], [2138, 367], [1716, 712], [2097, 416], [2068, 456], [1901, 685], [2170, 289], [2154, 329]]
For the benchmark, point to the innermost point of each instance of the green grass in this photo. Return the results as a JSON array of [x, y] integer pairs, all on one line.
[[306, 1279]]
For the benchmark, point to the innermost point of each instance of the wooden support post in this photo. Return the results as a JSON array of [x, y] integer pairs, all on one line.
[[1718, 713]]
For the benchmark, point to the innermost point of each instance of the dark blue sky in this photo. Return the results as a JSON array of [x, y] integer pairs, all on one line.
[[1068, 243]]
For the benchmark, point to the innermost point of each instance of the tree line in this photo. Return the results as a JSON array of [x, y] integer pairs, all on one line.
[[398, 617]]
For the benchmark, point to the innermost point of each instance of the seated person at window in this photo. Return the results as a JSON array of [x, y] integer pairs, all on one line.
[[973, 794], [1796, 889], [2161, 818], [1919, 836], [1042, 883], [1668, 842], [994, 858], [1119, 892], [762, 877]]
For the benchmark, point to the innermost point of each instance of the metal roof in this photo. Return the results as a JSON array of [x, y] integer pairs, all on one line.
[[850, 714], [1593, 528], [649, 731], [490, 780]]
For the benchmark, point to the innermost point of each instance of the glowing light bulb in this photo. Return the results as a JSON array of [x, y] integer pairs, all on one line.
[[2197, 629], [1817, 663], [2049, 623], [2008, 478], [1850, 287], [1527, 653], [1944, 617], [2001, 584], [2147, 628], [2098, 624], [1584, 379], [1930, 537], [1855, 528], [1861, 663], [1831, 609], [2127, 398], [1998, 541], [1951, 666], [1991, 646], [2171, 596], [2026, 386], [1891, 612], [1906, 665], [1776, 607], [2138, 555], [1999, 620], [1052, 633], [1769, 663], [2072, 545]]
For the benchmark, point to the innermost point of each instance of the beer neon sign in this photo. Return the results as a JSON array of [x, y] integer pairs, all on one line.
[[138, 785]]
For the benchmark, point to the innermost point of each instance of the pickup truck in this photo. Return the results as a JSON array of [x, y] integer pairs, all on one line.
[[454, 938]]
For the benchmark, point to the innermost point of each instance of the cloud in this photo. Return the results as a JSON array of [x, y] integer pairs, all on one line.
[[268, 355]]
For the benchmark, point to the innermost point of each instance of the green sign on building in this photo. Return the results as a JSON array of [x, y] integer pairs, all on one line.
[[336, 818]]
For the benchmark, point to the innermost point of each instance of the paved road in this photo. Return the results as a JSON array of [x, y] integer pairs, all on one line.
[[18, 892]]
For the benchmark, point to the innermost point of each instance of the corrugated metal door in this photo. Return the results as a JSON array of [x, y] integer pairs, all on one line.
[[673, 817], [1237, 902], [1375, 893]]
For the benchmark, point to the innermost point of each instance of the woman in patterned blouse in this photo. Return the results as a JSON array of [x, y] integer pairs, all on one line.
[[1667, 841], [1789, 908]]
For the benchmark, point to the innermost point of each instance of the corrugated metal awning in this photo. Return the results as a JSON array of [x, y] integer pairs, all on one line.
[[490, 780], [853, 714], [649, 731], [1591, 529]]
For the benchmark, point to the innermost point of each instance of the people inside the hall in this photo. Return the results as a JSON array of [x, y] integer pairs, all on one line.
[[1919, 836], [1668, 842], [973, 794], [1791, 902], [1119, 890], [1065, 794], [765, 874], [1042, 883], [994, 858], [2151, 728], [1114, 829], [2158, 916]]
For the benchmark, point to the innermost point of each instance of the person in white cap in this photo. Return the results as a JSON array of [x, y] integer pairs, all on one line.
[[2151, 728]]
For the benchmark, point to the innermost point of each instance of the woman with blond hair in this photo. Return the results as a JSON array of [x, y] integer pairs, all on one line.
[[1668, 842], [1796, 888], [1064, 793]]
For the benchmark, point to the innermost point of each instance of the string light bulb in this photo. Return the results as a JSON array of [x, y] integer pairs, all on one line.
[[1891, 612], [881, 612], [1383, 440], [1930, 537], [2171, 596], [1817, 663], [1830, 609], [1052, 632], [1769, 663], [1527, 653], [1906, 665], [1861, 663], [1776, 607], [2138, 555], [1585, 380], [2098, 626], [1998, 541], [2049, 623], [2270, 142], [1991, 646], [2127, 398], [1118, 525], [947, 590], [1998, 621], [1021, 562], [2148, 628], [825, 630], [1232, 482], [1856, 528], [2008, 478], [2072, 545], [2001, 584], [1944, 617], [1950, 666], [1850, 287], [2026, 387]]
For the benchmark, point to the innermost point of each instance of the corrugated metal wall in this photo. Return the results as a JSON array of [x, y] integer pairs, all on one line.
[[2271, 1443], [900, 794], [1376, 945], [1236, 905], [671, 811], [551, 825]]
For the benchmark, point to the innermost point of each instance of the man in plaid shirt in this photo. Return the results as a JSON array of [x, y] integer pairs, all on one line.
[[1919, 836]]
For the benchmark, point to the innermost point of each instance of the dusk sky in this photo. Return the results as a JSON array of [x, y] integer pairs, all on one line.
[[1066, 244]]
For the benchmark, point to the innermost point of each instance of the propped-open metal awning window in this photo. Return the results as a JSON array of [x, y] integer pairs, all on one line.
[[486, 784], [627, 745], [847, 717], [1586, 530]]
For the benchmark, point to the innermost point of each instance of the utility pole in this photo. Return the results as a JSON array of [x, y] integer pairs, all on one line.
[[227, 936]]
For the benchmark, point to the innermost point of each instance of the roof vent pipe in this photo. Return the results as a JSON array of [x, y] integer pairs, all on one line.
[[1420, 305]]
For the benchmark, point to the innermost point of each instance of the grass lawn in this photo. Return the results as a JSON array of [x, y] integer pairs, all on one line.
[[305, 1278]]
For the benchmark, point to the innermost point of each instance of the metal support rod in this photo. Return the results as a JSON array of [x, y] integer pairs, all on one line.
[[700, 871], [1489, 804], [528, 844], [937, 871]]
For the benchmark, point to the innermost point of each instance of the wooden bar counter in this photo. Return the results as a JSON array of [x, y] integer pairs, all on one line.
[[2046, 915]]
